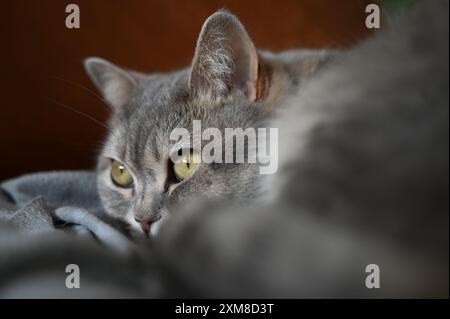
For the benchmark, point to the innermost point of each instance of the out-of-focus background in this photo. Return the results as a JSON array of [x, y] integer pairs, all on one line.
[[44, 88]]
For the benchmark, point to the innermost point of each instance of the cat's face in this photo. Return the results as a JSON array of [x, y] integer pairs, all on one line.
[[137, 179], [227, 86]]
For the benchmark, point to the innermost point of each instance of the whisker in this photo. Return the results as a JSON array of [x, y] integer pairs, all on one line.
[[78, 112], [82, 87]]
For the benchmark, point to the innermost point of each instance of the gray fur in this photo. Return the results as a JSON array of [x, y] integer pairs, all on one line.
[[140, 127], [364, 177]]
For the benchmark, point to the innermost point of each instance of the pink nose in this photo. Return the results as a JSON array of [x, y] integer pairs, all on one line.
[[145, 225]]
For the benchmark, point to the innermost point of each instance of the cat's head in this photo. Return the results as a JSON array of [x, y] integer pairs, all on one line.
[[229, 85]]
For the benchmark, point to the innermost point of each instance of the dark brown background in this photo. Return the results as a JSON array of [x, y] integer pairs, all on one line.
[[41, 61]]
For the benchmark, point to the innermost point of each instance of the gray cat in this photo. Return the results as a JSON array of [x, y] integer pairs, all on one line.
[[230, 85], [363, 176]]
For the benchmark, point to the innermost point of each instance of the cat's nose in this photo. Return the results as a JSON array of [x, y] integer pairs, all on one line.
[[145, 224]]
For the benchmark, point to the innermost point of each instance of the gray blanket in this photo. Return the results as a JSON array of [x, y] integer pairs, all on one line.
[[51, 220]]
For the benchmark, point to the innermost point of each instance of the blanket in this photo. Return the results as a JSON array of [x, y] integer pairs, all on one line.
[[51, 220]]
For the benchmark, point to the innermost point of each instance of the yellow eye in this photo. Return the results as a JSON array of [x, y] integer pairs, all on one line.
[[121, 175], [186, 166]]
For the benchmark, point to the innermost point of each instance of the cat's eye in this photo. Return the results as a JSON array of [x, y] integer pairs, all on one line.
[[120, 175], [186, 166]]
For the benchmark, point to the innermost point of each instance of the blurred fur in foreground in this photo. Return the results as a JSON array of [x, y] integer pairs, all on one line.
[[364, 179]]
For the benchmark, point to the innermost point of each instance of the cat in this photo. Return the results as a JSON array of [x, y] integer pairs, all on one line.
[[229, 85], [363, 184], [363, 177]]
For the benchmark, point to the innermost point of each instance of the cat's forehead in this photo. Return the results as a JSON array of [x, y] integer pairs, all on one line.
[[158, 101], [160, 104], [160, 91]]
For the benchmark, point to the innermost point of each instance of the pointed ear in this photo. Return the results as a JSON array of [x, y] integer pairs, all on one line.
[[115, 84], [225, 59]]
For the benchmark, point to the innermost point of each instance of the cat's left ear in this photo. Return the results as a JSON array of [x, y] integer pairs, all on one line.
[[114, 83], [225, 59]]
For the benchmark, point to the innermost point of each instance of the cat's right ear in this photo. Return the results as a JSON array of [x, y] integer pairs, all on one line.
[[225, 61], [115, 84]]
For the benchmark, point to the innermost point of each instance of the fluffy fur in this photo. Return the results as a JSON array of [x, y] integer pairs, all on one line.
[[219, 89], [363, 180]]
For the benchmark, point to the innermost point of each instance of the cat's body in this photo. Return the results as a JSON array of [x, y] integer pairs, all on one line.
[[363, 175]]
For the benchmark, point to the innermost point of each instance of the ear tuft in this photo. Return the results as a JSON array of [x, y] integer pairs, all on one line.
[[225, 59], [115, 84]]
